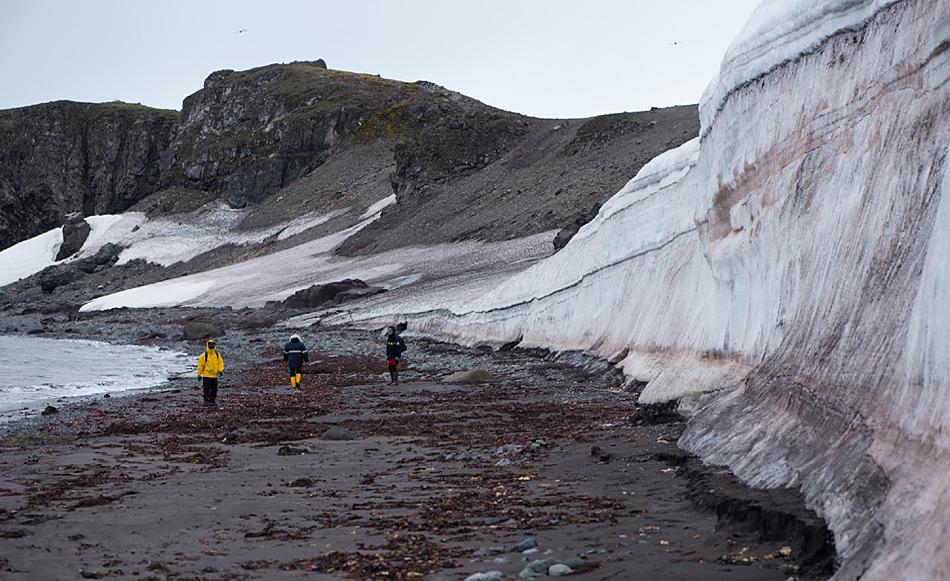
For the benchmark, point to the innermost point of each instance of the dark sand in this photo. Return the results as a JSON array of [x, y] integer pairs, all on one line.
[[157, 486]]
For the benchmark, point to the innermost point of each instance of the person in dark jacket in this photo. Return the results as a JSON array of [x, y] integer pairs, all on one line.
[[394, 348], [295, 353]]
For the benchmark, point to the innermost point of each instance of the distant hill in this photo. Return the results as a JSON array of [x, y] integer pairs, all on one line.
[[288, 139]]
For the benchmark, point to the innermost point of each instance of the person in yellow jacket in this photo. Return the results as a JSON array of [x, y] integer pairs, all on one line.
[[210, 366]]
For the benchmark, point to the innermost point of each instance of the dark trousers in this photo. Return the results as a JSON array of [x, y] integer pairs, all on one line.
[[209, 388]]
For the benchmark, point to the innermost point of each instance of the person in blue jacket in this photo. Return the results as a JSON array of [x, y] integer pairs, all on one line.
[[394, 348], [295, 353]]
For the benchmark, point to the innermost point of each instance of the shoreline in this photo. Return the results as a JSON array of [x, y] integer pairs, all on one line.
[[440, 479], [10, 421], [165, 368]]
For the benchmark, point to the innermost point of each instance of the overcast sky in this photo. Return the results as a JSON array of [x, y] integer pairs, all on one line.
[[547, 58]]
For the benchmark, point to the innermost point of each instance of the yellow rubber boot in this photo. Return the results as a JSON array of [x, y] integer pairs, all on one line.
[[293, 381], [298, 380]]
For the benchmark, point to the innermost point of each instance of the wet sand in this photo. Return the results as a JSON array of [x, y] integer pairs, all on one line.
[[437, 480]]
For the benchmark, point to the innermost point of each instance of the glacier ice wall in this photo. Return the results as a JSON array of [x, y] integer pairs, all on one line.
[[788, 273]]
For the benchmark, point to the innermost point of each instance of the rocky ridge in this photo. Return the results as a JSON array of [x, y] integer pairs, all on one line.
[[286, 139], [64, 157]]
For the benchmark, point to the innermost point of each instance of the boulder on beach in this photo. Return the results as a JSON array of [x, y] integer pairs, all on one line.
[[559, 570], [194, 330], [331, 293], [53, 308], [355, 294], [525, 545], [105, 257], [338, 433], [286, 450], [537, 568], [487, 576], [471, 375], [53, 277]]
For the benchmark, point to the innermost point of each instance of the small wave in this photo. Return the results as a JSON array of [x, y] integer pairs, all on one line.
[[36, 371]]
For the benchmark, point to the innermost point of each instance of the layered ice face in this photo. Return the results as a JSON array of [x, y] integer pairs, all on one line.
[[777, 32]]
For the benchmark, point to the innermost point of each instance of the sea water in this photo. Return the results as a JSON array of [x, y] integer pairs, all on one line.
[[35, 372]]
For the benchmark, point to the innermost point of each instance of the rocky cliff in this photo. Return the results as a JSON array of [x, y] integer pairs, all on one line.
[[284, 140], [248, 134], [64, 157]]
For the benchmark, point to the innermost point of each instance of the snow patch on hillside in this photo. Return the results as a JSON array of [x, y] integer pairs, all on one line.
[[308, 221], [378, 207], [100, 228], [475, 265], [164, 241], [30, 256], [162, 294], [179, 238]]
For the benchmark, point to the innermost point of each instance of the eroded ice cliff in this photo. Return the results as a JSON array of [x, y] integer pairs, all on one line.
[[790, 265]]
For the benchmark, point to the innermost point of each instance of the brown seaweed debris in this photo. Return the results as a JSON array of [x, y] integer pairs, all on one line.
[[273, 532], [402, 557], [175, 449], [493, 423], [286, 450], [510, 509], [43, 494], [229, 421], [100, 500]]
